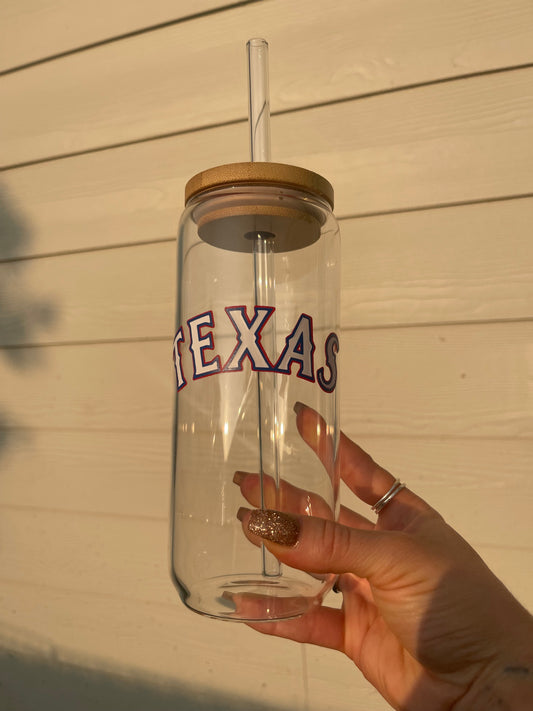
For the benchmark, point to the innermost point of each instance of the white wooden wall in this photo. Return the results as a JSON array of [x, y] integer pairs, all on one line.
[[420, 112]]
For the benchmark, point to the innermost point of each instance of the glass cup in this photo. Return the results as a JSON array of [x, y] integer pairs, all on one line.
[[257, 334]]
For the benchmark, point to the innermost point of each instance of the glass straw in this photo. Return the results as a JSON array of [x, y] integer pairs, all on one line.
[[258, 100], [259, 125]]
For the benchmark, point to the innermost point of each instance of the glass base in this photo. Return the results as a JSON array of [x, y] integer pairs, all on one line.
[[249, 598]]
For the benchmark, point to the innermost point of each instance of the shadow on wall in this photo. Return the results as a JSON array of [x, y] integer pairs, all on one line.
[[21, 315], [29, 682]]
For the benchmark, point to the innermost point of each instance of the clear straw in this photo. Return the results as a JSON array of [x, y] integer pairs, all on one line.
[[259, 125], [258, 99]]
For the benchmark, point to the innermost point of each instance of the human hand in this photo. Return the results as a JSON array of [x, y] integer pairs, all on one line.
[[423, 617]]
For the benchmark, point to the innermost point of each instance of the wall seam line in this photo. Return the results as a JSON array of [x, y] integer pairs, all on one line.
[[274, 114]]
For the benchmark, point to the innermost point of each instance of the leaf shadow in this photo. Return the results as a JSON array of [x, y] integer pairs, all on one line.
[[23, 314], [29, 681]]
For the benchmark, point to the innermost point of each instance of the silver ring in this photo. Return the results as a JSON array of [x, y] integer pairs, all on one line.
[[391, 493]]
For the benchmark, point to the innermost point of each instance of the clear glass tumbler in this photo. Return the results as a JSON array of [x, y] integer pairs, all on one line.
[[257, 333]]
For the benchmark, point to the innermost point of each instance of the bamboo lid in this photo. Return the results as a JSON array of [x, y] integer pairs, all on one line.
[[238, 219], [289, 176]]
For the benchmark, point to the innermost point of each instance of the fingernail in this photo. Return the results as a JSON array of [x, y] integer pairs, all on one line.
[[227, 600], [298, 407], [241, 513], [274, 526], [239, 477]]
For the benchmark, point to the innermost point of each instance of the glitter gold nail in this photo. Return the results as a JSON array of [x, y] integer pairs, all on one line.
[[274, 526]]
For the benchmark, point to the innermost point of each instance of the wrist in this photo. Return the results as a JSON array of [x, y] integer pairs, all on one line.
[[506, 684]]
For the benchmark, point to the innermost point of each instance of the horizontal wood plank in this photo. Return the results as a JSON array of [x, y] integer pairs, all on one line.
[[464, 141], [100, 632], [161, 643], [449, 381], [35, 29], [69, 471], [464, 381], [122, 558], [117, 293], [119, 386], [127, 475], [180, 653], [143, 86], [468, 263], [108, 556]]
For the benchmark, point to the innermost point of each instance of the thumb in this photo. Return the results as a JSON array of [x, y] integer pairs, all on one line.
[[318, 545]]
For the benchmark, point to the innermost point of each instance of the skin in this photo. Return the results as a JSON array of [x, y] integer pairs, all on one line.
[[423, 617]]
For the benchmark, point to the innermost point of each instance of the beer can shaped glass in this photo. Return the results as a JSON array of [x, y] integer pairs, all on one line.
[[256, 364]]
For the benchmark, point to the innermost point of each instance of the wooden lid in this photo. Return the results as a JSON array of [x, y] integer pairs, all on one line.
[[280, 174]]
